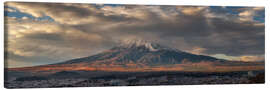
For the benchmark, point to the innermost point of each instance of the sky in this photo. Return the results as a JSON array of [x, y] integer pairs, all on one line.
[[45, 33]]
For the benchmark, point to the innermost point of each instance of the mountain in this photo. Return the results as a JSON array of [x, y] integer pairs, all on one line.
[[141, 52], [139, 55]]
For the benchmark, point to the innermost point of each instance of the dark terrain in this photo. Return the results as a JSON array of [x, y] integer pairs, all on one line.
[[80, 79]]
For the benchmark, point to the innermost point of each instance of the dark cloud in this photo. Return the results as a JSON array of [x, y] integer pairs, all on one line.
[[45, 36], [228, 37]]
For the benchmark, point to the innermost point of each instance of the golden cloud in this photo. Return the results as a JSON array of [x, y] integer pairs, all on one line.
[[248, 14], [192, 10], [10, 10], [251, 58], [197, 50]]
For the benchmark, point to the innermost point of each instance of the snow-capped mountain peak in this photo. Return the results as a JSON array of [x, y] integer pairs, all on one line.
[[141, 43]]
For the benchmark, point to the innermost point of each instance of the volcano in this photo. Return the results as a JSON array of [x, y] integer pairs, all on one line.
[[139, 55]]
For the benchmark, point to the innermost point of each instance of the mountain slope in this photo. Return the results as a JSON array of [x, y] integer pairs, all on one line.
[[144, 56]]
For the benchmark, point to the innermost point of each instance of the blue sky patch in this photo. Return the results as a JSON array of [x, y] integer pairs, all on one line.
[[20, 15]]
